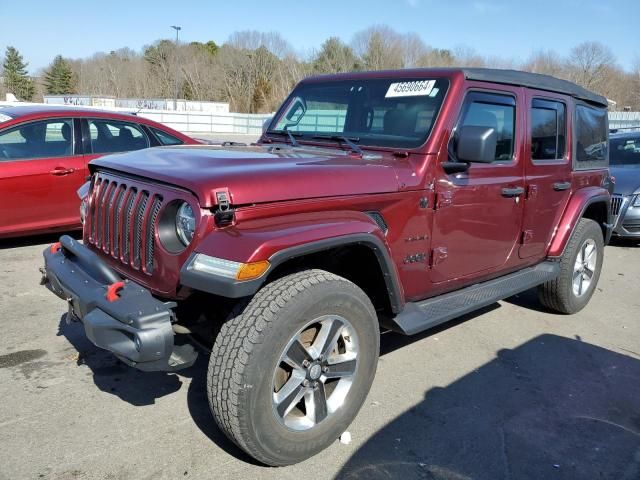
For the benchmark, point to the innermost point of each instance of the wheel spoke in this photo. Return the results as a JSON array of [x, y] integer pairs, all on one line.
[[326, 338], [316, 403], [577, 279], [290, 393], [296, 354], [581, 284], [588, 272], [341, 369]]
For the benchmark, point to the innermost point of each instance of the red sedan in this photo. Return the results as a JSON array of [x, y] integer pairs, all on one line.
[[44, 152]]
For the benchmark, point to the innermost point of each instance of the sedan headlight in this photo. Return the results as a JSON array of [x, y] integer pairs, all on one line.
[[636, 202], [185, 223]]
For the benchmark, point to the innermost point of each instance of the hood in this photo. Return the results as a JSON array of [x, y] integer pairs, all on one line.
[[258, 174], [627, 178]]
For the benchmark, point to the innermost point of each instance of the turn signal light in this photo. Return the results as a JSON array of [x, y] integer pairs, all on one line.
[[249, 271]]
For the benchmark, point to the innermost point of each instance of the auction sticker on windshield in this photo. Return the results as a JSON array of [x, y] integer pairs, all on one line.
[[417, 88]]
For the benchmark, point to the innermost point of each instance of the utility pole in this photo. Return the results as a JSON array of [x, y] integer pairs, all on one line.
[[175, 96]]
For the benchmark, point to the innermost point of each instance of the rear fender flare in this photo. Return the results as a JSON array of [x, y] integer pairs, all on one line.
[[576, 208]]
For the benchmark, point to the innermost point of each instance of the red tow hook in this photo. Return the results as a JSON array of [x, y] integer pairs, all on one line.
[[112, 291], [55, 247]]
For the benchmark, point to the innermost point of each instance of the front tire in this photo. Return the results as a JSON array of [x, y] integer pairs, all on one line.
[[289, 373], [580, 268]]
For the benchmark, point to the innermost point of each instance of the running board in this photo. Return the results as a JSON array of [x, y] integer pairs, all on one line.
[[419, 316]]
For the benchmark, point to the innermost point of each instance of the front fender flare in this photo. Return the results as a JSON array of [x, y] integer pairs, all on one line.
[[284, 238]]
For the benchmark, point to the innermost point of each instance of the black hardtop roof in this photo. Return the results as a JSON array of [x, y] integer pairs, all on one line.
[[492, 75]]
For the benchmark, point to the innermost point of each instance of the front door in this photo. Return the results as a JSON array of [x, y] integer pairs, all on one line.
[[478, 216], [40, 172]]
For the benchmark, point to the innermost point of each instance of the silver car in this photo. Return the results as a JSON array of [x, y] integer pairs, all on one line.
[[625, 167]]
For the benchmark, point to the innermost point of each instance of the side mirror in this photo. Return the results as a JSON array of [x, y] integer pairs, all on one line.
[[476, 144]]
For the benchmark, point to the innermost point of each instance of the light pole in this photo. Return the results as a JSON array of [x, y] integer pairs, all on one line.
[[175, 96]]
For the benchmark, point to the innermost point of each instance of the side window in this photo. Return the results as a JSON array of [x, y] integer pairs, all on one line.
[[591, 137], [493, 111], [548, 130], [164, 138], [43, 139], [110, 136]]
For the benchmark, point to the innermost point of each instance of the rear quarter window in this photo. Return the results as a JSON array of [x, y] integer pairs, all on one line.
[[591, 137]]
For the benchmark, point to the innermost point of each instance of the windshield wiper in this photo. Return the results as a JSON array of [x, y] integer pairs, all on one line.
[[292, 136], [346, 140]]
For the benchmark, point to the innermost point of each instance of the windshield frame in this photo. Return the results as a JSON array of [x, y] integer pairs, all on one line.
[[308, 137]]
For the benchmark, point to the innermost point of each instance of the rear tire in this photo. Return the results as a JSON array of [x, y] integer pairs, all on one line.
[[580, 267], [269, 396]]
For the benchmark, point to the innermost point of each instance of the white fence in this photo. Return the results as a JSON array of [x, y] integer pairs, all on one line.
[[192, 122], [251, 124], [624, 119]]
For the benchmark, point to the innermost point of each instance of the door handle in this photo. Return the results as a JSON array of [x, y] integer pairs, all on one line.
[[60, 171], [511, 192], [559, 186]]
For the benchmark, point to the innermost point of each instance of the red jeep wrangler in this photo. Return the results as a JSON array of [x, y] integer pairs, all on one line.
[[395, 200]]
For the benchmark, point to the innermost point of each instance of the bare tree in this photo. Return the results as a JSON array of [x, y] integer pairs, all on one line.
[[590, 64], [379, 48]]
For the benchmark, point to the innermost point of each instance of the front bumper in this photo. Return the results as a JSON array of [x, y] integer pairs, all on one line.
[[627, 222], [118, 315]]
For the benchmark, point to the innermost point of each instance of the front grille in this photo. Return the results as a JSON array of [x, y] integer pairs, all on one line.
[[616, 204], [123, 222]]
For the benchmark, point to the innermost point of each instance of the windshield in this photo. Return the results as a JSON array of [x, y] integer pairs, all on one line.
[[625, 151], [385, 113]]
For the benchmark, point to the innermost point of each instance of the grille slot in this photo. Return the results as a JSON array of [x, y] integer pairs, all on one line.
[[123, 222], [616, 205]]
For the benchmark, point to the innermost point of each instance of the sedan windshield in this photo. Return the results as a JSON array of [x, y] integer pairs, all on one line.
[[385, 113], [625, 151]]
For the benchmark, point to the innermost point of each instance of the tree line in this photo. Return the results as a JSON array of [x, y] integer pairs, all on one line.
[[254, 71]]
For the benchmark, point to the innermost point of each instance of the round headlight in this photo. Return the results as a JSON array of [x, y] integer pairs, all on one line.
[[185, 223]]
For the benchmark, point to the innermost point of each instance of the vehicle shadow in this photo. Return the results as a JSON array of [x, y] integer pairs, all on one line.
[[138, 388], [37, 239], [552, 407], [624, 242]]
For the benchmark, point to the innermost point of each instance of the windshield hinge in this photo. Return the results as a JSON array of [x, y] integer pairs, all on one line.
[[222, 199]]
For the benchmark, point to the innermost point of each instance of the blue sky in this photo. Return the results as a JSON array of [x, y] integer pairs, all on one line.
[[511, 29]]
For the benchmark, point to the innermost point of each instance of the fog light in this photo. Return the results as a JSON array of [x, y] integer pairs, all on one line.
[[136, 341]]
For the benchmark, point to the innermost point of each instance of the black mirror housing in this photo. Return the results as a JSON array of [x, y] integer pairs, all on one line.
[[476, 144]]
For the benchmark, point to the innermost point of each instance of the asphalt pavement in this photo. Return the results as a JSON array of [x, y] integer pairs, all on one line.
[[510, 392]]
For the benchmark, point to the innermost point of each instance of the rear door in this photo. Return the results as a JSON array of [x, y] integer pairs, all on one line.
[[547, 170], [102, 136], [478, 216], [41, 168]]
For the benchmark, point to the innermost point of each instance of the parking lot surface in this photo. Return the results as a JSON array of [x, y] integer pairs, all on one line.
[[510, 392]]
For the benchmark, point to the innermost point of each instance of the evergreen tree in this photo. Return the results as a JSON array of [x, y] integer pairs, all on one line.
[[15, 76], [59, 78]]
